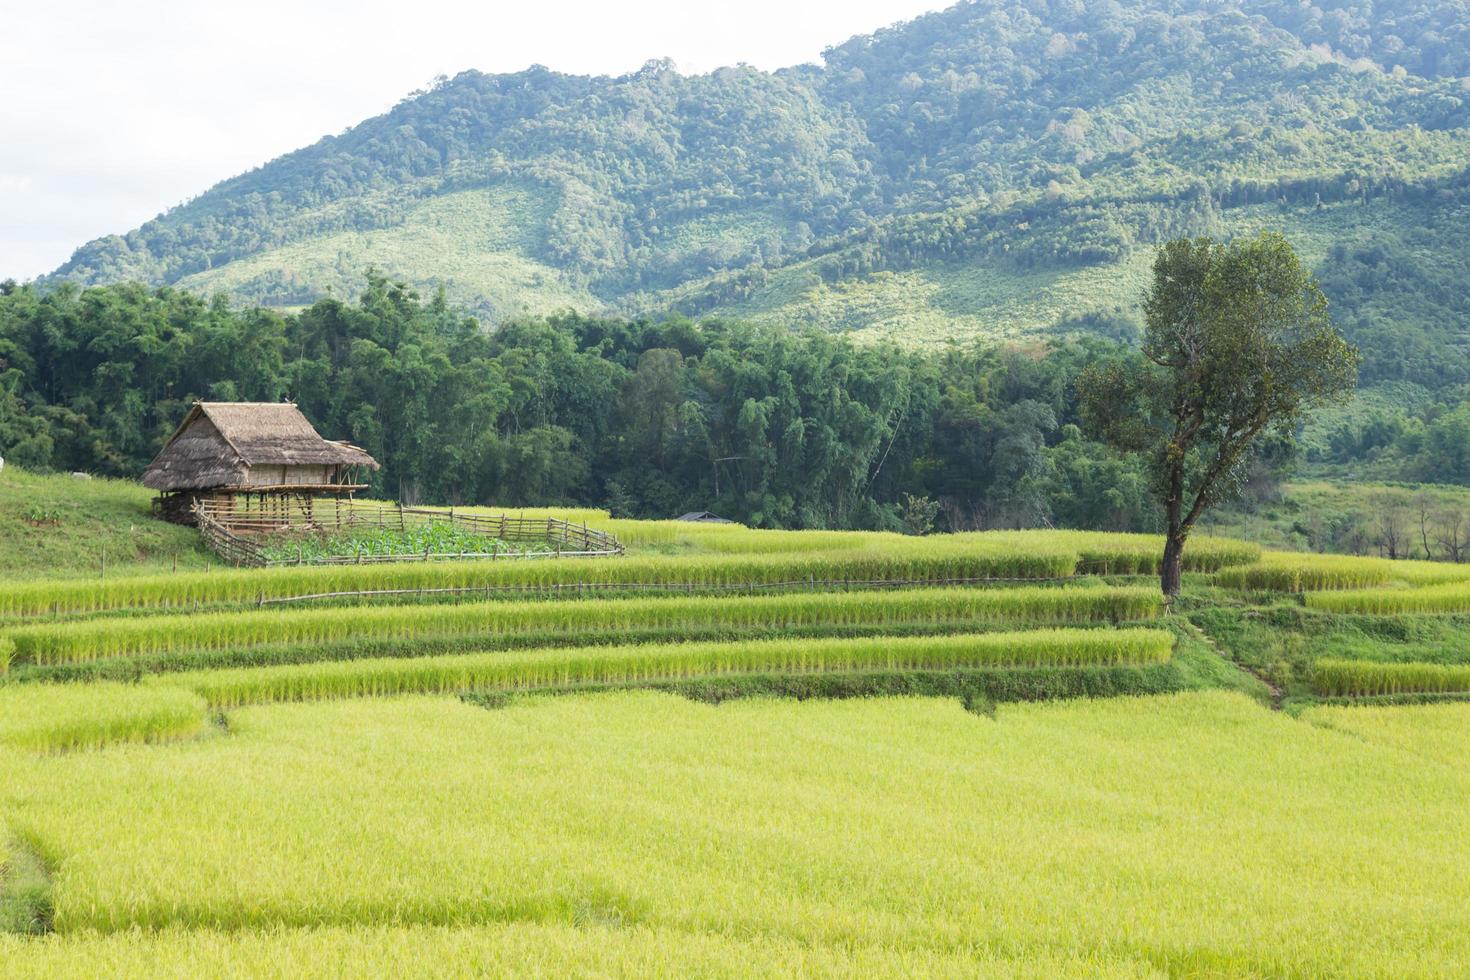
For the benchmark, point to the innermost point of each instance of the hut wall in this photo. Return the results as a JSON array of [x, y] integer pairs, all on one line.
[[289, 476]]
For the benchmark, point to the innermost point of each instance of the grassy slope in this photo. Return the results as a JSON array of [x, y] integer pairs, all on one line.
[[1282, 642], [478, 243], [990, 299], [995, 299], [1286, 523], [80, 521], [482, 244]]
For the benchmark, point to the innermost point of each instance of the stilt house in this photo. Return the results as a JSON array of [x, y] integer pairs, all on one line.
[[229, 449]]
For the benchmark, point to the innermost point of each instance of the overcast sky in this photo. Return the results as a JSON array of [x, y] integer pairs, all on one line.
[[111, 112]]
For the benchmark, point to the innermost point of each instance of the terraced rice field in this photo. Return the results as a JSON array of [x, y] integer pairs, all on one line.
[[1371, 628], [102, 639], [431, 781], [765, 559], [1194, 833]]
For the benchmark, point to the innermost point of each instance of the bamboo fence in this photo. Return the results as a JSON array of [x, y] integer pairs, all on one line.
[[236, 528]]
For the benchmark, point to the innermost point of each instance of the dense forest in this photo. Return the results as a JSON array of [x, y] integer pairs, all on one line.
[[994, 168], [775, 427], [649, 418]]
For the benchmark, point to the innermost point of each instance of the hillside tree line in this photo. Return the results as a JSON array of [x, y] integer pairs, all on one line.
[[770, 427]]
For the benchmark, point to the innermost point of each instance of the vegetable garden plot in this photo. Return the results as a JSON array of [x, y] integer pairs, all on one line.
[[305, 531]]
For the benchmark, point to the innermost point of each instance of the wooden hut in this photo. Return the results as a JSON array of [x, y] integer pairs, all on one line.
[[227, 449], [702, 517]]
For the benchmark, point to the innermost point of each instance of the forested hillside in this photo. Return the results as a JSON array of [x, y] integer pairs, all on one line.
[[995, 169]]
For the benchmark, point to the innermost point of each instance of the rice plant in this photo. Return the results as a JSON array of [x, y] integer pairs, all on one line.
[[1367, 678], [1451, 597], [599, 943], [73, 716], [562, 668], [1423, 731], [911, 563], [1102, 553], [94, 640], [863, 558], [1291, 572], [1430, 572], [645, 834]]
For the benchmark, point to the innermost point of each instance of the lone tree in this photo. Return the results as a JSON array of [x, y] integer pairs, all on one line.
[[1237, 342]]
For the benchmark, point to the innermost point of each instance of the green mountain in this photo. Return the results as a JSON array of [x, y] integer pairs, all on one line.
[[995, 169]]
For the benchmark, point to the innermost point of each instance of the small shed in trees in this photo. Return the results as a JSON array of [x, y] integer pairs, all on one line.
[[702, 517], [228, 449]]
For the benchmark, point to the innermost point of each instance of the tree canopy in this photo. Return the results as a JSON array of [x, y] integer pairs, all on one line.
[[1238, 344]]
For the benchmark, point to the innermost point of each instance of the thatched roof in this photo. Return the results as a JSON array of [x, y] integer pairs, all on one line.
[[218, 442], [702, 517]]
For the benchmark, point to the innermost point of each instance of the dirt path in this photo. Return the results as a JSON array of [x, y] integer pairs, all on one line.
[[1277, 695]]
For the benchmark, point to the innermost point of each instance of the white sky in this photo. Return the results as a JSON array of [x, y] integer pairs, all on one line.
[[111, 112]]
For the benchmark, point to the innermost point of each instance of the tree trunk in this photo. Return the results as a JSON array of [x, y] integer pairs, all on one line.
[[1172, 566]]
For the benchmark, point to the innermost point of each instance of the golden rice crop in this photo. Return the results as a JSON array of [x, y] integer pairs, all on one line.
[[1104, 553], [1448, 598], [72, 716], [1191, 835], [92, 640], [1425, 731], [737, 538], [868, 558], [1367, 678], [1293, 572], [630, 664], [911, 563], [1430, 572], [1281, 571], [589, 948]]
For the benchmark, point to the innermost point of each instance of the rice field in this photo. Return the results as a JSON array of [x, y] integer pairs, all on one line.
[[533, 774], [675, 572], [78, 716], [1294, 572], [100, 639], [1368, 678], [582, 949], [564, 668], [1282, 571], [1181, 835], [1432, 732], [765, 559], [1451, 597]]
